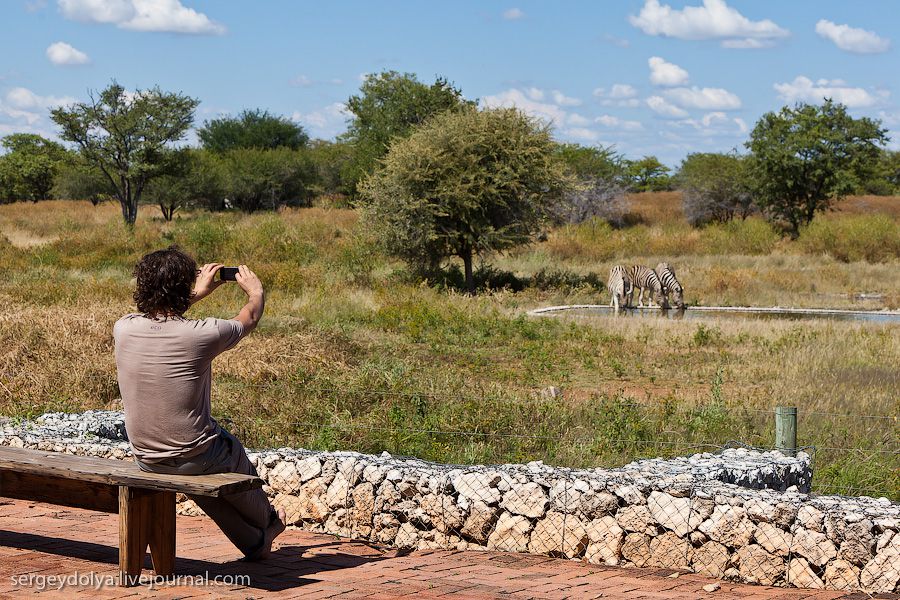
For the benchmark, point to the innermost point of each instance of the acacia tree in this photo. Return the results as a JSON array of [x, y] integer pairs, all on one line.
[[390, 104], [466, 183], [805, 158], [127, 136], [647, 174]]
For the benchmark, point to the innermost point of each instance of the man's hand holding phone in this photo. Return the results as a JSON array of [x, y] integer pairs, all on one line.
[[206, 281]]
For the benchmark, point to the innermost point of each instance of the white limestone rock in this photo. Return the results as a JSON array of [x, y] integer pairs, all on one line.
[[729, 525], [605, 541], [801, 575], [814, 546], [511, 533], [558, 534], [529, 500]]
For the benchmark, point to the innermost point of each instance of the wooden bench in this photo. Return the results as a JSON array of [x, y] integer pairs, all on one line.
[[145, 501]]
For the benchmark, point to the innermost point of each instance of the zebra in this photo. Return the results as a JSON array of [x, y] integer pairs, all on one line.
[[644, 278], [672, 288], [619, 286]]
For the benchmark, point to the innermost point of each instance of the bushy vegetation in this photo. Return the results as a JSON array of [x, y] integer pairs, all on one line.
[[716, 188], [353, 353]]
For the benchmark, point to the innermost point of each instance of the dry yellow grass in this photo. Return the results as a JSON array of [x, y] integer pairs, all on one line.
[[349, 351]]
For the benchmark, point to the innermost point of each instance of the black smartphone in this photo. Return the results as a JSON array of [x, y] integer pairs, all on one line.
[[228, 273]]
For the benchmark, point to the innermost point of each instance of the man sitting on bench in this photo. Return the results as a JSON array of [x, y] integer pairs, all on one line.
[[164, 370]]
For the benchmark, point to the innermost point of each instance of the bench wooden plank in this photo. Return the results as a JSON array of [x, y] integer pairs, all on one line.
[[58, 490], [119, 472]]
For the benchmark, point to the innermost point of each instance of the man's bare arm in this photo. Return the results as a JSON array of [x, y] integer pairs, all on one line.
[[256, 298]]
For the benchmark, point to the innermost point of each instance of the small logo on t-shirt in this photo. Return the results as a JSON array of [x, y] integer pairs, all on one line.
[[157, 327]]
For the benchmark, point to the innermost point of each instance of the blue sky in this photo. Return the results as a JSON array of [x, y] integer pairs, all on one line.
[[661, 77]]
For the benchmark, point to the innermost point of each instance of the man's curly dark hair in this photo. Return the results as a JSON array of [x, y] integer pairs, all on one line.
[[165, 282]]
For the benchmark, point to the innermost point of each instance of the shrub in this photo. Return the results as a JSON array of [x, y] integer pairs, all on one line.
[[873, 238], [593, 198]]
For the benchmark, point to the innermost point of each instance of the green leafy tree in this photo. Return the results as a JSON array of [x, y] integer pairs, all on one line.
[[647, 175], [806, 157], [330, 161], [466, 183], [194, 178], [127, 136], [266, 179], [252, 129], [885, 180], [715, 187], [388, 105], [593, 162], [78, 180], [28, 167]]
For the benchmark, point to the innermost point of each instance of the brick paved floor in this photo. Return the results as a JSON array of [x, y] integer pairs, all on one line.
[[41, 540]]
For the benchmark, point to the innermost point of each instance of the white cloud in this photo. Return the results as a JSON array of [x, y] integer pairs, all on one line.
[[23, 98], [748, 43], [515, 98], [26, 116], [703, 98], [576, 119], [714, 20], [61, 53], [513, 14], [666, 73], [535, 93], [659, 105], [581, 133], [621, 94], [622, 90], [620, 124], [142, 15], [803, 89], [712, 124], [563, 100], [852, 39], [325, 122]]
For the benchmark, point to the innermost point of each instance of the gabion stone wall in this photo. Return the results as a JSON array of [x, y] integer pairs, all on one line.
[[738, 514]]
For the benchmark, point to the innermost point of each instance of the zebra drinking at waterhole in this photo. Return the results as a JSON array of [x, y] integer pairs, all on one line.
[[672, 288], [619, 286], [644, 278]]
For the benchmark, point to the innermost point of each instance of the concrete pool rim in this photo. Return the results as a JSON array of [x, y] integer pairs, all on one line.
[[776, 310]]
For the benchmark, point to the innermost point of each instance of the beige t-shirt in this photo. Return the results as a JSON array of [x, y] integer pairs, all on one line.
[[164, 370]]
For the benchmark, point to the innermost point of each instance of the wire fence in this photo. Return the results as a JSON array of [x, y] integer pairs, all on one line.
[[653, 516]]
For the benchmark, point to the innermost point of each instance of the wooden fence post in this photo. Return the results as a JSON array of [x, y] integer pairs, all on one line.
[[786, 429]]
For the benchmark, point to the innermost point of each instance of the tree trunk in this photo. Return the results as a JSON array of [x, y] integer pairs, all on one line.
[[466, 256]]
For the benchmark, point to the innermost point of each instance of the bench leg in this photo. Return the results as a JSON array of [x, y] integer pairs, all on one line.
[[145, 517], [162, 533]]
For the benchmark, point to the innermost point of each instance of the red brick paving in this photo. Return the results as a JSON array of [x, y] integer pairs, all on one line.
[[45, 540]]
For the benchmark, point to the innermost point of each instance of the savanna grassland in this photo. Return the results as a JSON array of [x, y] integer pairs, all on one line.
[[354, 354]]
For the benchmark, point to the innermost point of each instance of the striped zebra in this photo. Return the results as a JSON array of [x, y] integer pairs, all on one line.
[[644, 278], [672, 288], [619, 286]]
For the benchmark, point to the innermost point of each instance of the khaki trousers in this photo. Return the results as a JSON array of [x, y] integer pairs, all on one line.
[[242, 517]]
